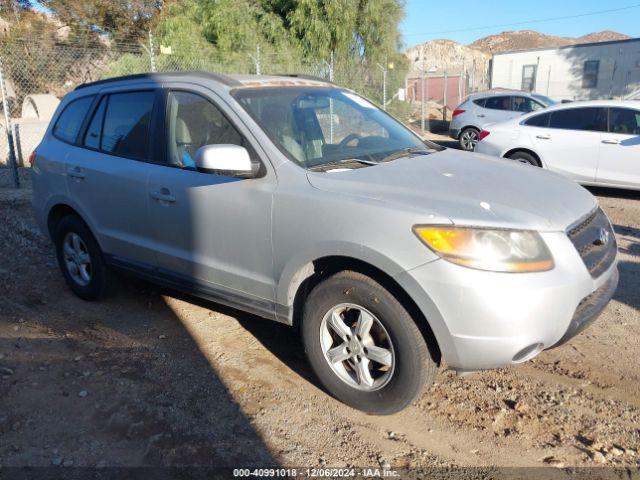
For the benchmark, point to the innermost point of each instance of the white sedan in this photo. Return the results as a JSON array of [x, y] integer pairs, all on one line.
[[594, 142]]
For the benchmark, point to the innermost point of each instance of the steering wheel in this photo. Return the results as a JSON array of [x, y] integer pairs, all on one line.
[[352, 136]]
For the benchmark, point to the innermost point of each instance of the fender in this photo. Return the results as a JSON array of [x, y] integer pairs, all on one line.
[[300, 267]]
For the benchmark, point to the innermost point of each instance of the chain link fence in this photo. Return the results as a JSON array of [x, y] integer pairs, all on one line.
[[37, 74]]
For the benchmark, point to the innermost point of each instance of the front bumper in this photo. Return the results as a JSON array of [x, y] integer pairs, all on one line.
[[590, 308], [454, 133], [487, 320]]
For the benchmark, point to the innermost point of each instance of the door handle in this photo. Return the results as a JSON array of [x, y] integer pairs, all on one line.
[[481, 116], [163, 195], [544, 136], [76, 173], [611, 141]]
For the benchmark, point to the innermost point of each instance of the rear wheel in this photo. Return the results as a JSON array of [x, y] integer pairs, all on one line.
[[469, 138], [364, 346], [80, 259], [525, 157]]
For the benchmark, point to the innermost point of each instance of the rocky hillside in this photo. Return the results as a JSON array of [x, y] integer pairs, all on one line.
[[447, 55], [525, 39], [604, 36], [455, 57]]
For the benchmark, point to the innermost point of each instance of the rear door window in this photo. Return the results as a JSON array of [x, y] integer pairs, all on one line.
[[70, 120], [587, 119], [624, 121], [498, 103], [127, 120]]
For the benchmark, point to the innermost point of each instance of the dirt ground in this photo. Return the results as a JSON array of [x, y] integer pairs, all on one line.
[[152, 377]]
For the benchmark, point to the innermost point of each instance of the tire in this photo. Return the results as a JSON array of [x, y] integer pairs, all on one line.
[[88, 281], [524, 157], [409, 368], [468, 138]]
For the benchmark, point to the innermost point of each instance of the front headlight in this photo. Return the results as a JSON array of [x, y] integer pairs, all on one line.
[[495, 250]]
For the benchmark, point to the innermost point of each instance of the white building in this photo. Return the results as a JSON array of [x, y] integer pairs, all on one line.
[[587, 71]]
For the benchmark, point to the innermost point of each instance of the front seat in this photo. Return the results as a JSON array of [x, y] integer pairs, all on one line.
[[182, 153], [278, 118]]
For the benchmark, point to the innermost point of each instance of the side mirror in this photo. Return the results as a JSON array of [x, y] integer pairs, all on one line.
[[224, 159]]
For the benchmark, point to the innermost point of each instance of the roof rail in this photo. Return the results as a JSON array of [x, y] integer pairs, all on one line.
[[305, 77], [218, 77]]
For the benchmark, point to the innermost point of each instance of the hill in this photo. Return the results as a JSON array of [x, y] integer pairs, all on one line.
[[526, 39]]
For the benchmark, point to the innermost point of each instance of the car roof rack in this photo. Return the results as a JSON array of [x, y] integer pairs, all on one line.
[[304, 76], [218, 77]]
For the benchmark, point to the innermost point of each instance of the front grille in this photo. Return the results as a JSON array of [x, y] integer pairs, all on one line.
[[595, 241]]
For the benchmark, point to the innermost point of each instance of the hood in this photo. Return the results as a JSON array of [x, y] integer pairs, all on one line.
[[468, 189]]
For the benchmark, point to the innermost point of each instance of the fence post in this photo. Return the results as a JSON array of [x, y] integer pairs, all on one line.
[[330, 66], [445, 97], [5, 107], [384, 86], [256, 59], [422, 96], [152, 55]]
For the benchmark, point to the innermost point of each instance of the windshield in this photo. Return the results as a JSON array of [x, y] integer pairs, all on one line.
[[546, 100], [321, 126]]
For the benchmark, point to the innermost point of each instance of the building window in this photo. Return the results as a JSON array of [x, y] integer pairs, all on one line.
[[529, 78], [590, 74]]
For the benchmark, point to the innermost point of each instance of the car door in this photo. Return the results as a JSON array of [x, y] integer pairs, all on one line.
[[107, 172], [571, 142], [496, 109], [211, 231], [619, 162]]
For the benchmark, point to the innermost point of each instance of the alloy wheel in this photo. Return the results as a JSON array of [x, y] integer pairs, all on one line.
[[77, 259], [357, 347], [469, 139]]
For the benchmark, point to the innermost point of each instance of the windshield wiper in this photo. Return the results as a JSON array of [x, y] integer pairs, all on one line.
[[335, 163], [405, 152]]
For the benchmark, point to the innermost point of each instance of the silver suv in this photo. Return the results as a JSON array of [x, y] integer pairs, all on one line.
[[481, 109], [304, 203]]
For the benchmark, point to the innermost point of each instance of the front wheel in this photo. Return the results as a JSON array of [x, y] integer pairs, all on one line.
[[524, 157], [364, 346]]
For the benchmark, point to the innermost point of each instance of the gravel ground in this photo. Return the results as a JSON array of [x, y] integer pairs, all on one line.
[[151, 377]]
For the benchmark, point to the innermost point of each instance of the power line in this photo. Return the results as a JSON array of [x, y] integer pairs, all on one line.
[[486, 27]]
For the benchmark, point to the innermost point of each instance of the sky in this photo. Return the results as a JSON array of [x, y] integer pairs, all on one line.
[[430, 19]]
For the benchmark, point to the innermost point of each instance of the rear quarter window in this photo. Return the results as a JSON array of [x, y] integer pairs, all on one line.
[[480, 101], [70, 120], [541, 120]]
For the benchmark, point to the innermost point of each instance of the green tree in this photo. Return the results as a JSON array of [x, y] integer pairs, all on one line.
[[124, 20]]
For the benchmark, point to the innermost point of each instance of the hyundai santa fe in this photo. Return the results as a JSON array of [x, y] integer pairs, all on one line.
[[304, 203]]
